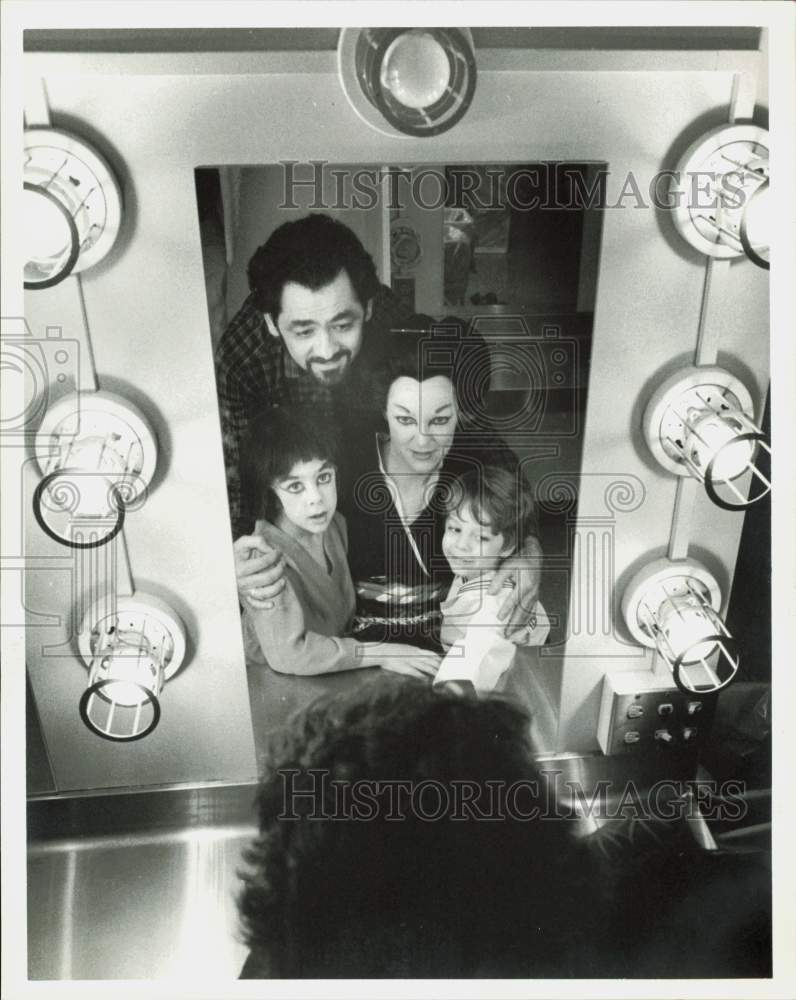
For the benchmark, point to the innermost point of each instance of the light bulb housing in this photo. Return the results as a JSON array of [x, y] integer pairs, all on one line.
[[70, 174], [699, 422], [131, 646], [97, 453], [673, 606], [714, 186], [408, 81]]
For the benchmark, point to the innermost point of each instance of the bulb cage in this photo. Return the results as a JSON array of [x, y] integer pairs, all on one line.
[[675, 422], [673, 606], [682, 658], [131, 650]]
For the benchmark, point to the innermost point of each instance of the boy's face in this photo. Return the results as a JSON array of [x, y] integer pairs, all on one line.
[[322, 328], [308, 495], [469, 546]]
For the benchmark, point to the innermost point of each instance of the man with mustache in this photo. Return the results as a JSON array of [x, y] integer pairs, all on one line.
[[302, 336]]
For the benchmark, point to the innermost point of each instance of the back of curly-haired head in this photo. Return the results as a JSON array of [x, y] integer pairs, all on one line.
[[312, 252], [386, 891]]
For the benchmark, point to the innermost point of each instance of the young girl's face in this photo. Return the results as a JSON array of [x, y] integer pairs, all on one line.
[[469, 546], [308, 494]]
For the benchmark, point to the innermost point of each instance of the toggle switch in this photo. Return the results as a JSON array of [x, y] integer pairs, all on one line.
[[693, 707], [666, 708], [664, 736], [632, 737], [635, 711], [689, 734]]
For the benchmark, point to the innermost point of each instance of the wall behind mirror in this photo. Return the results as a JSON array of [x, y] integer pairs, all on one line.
[[159, 114], [512, 249]]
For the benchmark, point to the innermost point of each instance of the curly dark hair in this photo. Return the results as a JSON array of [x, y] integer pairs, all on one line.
[[310, 251], [331, 895]]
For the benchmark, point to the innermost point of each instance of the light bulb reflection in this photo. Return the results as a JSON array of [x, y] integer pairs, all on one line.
[[416, 70]]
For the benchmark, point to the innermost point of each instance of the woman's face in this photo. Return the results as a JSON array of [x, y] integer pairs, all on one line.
[[421, 417]]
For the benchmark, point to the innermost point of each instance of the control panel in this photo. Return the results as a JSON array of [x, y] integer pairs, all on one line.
[[640, 711]]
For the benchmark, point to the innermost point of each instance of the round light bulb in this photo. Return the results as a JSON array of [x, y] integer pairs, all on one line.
[[684, 624], [47, 234], [714, 435], [415, 69], [128, 675], [758, 218]]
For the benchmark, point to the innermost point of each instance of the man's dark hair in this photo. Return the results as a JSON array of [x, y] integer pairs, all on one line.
[[398, 894], [311, 251], [277, 439], [496, 497]]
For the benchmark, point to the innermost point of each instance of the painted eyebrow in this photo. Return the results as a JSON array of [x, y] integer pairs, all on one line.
[[439, 409]]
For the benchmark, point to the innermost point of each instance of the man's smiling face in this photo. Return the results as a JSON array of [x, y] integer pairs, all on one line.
[[321, 329]]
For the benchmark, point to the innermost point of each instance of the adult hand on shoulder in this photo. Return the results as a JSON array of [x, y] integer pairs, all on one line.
[[259, 570], [524, 572], [401, 658]]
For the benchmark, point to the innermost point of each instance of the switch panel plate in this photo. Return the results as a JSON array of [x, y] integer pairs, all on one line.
[[637, 705]]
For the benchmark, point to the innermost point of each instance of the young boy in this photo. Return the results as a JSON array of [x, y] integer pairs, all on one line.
[[487, 517], [290, 471]]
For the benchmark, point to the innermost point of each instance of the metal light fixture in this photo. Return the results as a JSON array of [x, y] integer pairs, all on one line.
[[672, 606], [699, 422], [97, 454], [408, 81], [72, 204], [720, 193], [131, 650]]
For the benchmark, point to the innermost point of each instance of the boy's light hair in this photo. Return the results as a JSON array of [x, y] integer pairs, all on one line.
[[498, 499]]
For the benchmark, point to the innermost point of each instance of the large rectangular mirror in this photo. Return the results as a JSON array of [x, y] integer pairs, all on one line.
[[511, 250]]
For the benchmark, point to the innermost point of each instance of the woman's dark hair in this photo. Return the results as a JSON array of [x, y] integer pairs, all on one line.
[[425, 347], [277, 439], [311, 252], [499, 498], [368, 865]]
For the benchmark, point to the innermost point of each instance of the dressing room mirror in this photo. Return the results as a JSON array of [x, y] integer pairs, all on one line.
[[512, 251]]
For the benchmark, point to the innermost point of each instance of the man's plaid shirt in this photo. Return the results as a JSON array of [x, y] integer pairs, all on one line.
[[254, 371]]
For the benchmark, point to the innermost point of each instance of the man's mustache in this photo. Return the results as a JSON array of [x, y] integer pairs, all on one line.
[[327, 361]]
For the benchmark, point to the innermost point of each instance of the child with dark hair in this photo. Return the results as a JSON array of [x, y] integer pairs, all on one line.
[[291, 467], [490, 511]]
